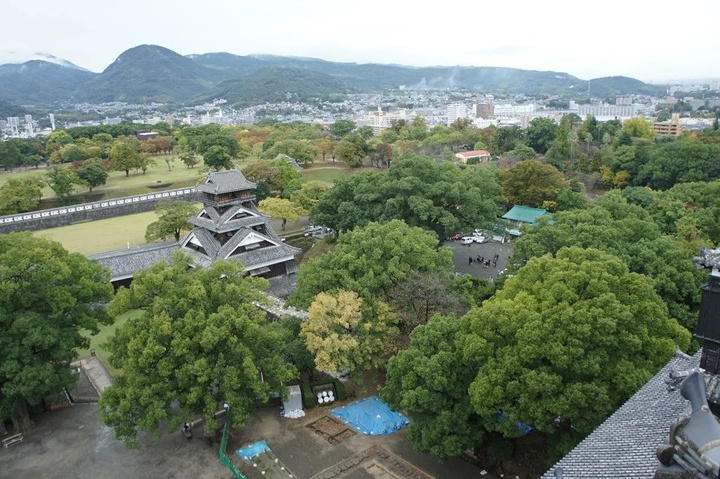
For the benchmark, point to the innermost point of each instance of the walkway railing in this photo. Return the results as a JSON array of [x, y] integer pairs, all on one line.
[[223, 444], [32, 215]]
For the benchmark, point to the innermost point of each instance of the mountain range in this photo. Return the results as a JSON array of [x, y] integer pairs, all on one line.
[[151, 73]]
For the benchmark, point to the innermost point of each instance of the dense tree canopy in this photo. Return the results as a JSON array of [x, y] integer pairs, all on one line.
[[18, 195], [530, 183], [370, 260], [626, 231], [436, 196], [47, 296], [564, 343], [199, 343], [429, 384]]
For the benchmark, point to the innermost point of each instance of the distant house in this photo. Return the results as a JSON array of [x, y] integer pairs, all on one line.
[[464, 156], [146, 135], [519, 215]]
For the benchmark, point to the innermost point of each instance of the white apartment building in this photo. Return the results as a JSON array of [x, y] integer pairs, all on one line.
[[455, 111], [380, 120], [605, 112], [508, 109]]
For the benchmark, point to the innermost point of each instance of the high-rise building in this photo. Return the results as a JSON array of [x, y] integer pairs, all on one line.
[[486, 111], [52, 121], [14, 124], [455, 111]]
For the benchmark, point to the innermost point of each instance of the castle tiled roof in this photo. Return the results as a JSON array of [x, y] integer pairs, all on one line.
[[623, 447], [219, 182], [125, 263]]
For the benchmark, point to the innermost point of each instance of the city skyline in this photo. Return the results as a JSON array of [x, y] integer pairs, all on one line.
[[615, 38]]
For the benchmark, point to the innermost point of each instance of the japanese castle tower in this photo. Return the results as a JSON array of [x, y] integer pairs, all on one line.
[[229, 226]]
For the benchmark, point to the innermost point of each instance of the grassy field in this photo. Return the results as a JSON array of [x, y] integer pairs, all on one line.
[[97, 341], [329, 174], [118, 185], [102, 235]]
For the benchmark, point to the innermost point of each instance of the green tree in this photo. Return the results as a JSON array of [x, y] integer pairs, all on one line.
[[437, 196], [341, 128], [531, 182], [18, 195], [10, 154], [204, 143], [639, 127], [47, 297], [627, 231], [345, 334], [309, 194], [190, 159], [302, 151], [422, 295], [92, 173], [123, 157], [429, 383], [370, 260], [349, 152], [62, 180], [172, 220], [72, 153], [217, 158], [199, 343], [540, 134], [567, 340], [280, 208]]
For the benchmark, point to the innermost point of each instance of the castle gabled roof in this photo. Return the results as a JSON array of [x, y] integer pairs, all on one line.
[[623, 447], [219, 182], [209, 218]]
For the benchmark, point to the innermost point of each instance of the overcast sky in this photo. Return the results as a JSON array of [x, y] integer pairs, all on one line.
[[653, 40]]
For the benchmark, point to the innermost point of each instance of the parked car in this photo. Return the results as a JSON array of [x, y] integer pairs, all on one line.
[[456, 237], [468, 239]]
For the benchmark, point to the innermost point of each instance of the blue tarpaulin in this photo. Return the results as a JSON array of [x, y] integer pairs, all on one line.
[[371, 417], [253, 450]]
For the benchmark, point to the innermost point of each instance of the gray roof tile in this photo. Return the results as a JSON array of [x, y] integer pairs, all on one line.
[[219, 182], [126, 262], [623, 446]]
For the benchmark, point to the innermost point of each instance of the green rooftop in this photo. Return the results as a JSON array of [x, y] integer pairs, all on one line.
[[525, 214]]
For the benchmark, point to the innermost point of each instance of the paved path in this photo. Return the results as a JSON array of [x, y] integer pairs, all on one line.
[[96, 372]]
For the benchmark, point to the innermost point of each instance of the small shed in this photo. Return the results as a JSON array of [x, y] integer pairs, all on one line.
[[293, 402]]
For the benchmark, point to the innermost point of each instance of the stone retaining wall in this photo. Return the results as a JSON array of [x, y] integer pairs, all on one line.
[[97, 210]]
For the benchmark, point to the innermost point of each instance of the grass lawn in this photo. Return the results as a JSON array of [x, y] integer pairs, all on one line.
[[101, 235], [318, 249], [328, 174], [118, 185], [101, 338]]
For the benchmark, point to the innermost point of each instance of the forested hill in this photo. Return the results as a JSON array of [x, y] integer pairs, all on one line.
[[38, 82], [151, 73], [278, 84]]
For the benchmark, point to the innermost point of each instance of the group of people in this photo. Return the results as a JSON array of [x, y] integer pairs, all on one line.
[[483, 261]]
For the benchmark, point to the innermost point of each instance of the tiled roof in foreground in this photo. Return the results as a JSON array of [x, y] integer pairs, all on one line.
[[124, 263], [623, 447]]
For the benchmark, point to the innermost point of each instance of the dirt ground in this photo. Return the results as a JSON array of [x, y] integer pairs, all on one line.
[[306, 453], [71, 443], [462, 253]]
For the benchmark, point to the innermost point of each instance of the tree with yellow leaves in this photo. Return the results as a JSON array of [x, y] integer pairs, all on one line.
[[345, 333]]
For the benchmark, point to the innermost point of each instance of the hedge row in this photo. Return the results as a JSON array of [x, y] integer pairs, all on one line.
[[309, 398]]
